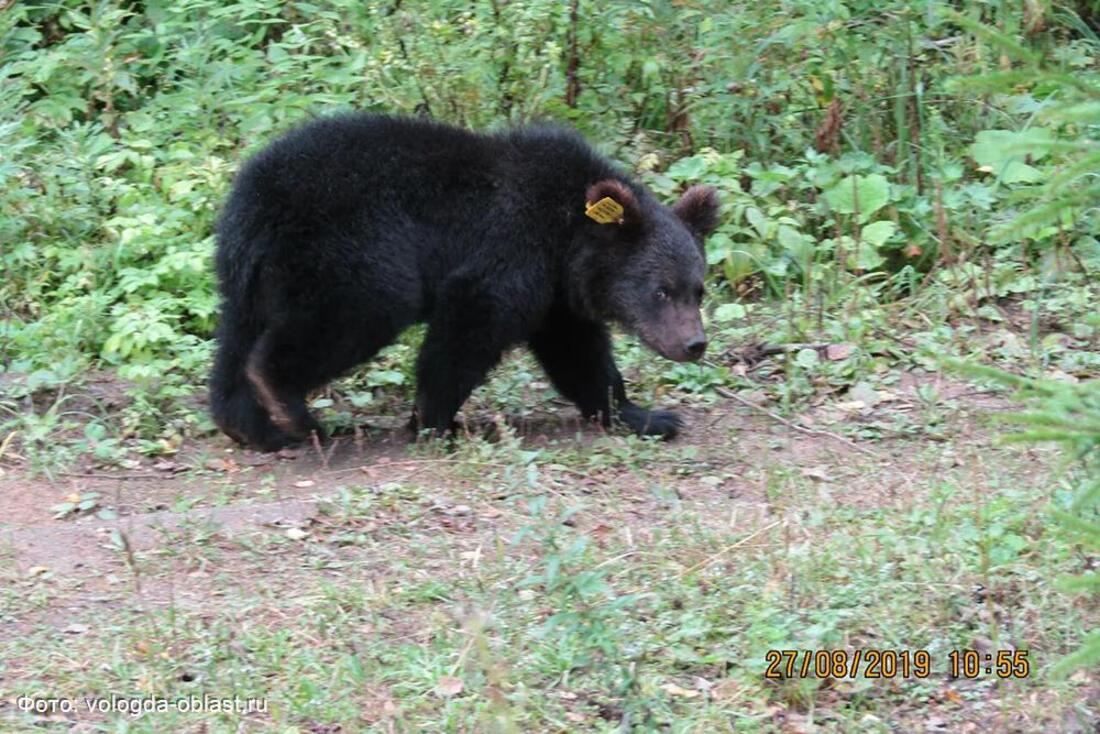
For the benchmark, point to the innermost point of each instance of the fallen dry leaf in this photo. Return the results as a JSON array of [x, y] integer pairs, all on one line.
[[819, 473], [225, 465], [837, 352], [863, 392], [674, 690], [850, 406], [448, 686]]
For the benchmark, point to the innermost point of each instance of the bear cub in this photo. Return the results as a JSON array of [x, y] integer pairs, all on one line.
[[347, 230]]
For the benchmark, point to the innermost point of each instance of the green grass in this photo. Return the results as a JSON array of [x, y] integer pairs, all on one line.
[[587, 590]]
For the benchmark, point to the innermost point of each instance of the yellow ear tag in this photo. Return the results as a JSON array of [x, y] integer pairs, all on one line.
[[605, 211]]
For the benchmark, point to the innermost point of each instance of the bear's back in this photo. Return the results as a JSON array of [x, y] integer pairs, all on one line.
[[350, 170], [335, 162]]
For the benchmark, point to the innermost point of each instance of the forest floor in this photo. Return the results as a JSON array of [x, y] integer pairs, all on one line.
[[557, 578]]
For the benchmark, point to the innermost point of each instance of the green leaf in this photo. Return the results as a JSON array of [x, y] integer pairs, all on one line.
[[718, 246], [869, 258], [877, 233], [865, 194], [763, 226], [742, 262], [861, 257], [361, 399], [62, 509], [688, 169], [729, 312], [799, 246], [1006, 153], [386, 377], [806, 358]]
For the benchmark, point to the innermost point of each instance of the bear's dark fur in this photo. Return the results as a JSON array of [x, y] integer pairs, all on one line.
[[344, 232]]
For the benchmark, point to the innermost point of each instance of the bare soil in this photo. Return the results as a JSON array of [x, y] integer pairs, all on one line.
[[175, 529]]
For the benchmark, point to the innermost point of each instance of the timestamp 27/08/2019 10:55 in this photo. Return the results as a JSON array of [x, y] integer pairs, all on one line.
[[893, 664]]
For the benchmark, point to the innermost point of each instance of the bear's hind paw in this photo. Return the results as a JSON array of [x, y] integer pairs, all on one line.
[[663, 423]]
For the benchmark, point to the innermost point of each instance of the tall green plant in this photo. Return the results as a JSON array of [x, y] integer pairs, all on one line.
[[1055, 206], [1066, 126], [1068, 414]]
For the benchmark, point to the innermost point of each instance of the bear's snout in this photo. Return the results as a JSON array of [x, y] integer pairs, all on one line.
[[691, 351], [676, 334], [688, 350], [696, 347]]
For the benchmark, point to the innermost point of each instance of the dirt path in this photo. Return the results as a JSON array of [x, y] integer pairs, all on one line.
[[240, 491], [231, 543]]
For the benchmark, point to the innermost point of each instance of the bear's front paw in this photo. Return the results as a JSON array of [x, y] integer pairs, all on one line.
[[663, 423]]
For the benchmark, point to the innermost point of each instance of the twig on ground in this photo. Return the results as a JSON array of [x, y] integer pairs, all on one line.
[[728, 548], [794, 426], [757, 352], [315, 440], [120, 477], [452, 462]]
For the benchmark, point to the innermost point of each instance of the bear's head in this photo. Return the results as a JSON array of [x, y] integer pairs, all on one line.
[[643, 264]]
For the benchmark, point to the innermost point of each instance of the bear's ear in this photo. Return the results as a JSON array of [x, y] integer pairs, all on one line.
[[698, 208], [611, 202]]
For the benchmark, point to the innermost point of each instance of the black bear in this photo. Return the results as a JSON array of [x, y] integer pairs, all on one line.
[[349, 229]]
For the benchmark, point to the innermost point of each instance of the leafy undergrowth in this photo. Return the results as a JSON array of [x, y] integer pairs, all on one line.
[[929, 163], [547, 582]]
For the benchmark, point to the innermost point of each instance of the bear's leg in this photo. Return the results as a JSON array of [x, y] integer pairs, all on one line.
[[281, 372], [576, 355], [463, 343], [296, 357], [233, 401]]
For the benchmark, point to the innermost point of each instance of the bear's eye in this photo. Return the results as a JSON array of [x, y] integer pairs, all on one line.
[[661, 294]]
